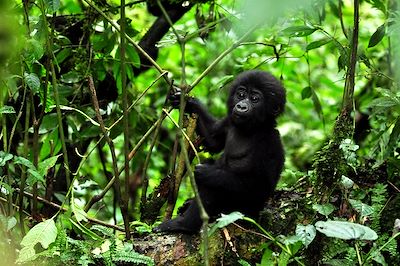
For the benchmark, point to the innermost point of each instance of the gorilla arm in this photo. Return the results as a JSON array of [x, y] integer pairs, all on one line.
[[212, 130]]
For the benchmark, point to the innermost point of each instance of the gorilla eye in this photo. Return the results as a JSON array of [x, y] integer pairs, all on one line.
[[241, 93], [255, 98]]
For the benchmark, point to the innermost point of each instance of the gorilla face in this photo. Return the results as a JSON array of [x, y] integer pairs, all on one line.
[[248, 106]]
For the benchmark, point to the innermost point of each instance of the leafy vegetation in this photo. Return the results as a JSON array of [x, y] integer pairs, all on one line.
[[90, 155]]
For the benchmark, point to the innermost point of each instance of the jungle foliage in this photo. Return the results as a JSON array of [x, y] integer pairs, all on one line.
[[92, 156]]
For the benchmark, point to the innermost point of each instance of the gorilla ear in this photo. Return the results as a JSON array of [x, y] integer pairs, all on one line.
[[277, 110]]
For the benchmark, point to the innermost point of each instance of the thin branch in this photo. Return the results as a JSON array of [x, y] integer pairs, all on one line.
[[133, 152], [113, 155], [203, 213], [222, 56], [61, 208], [124, 197]]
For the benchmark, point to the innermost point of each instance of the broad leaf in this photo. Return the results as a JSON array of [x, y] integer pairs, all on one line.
[[53, 5], [24, 162], [34, 177], [306, 93], [80, 214], [7, 110], [44, 233], [225, 220], [346, 182], [32, 81], [306, 233], [363, 209], [4, 157], [44, 166], [324, 209], [346, 230]]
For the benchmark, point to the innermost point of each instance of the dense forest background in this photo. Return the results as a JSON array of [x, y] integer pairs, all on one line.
[[92, 156]]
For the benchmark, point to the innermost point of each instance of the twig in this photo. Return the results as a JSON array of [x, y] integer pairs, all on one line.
[[221, 56], [203, 214], [98, 197], [124, 197], [60, 208], [113, 155]]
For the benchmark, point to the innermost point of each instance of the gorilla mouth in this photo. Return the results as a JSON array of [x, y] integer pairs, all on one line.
[[240, 118]]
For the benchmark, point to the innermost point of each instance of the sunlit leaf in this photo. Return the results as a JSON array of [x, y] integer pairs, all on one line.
[[7, 110], [324, 209], [52, 5], [306, 233], [346, 182], [45, 165], [299, 31], [4, 157], [80, 214], [362, 208], [44, 233], [225, 220], [346, 230]]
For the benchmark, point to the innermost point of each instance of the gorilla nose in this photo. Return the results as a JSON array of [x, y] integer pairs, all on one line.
[[242, 107]]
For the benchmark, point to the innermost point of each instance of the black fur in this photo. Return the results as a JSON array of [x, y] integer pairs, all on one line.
[[253, 157]]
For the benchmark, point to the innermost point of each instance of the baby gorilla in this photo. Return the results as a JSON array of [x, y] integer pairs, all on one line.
[[247, 172]]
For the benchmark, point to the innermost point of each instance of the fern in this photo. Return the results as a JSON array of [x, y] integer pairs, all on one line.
[[104, 230], [378, 199], [132, 257], [334, 248], [391, 247]]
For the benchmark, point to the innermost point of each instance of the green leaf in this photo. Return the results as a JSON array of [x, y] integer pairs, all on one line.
[[346, 230], [299, 31], [306, 93], [132, 56], [44, 166], [225, 220], [32, 81], [80, 214], [24, 162], [317, 105], [324, 209], [53, 5], [346, 182], [7, 110], [34, 177], [377, 36], [5, 157], [243, 262], [317, 44], [44, 233], [363, 209], [26, 254], [35, 50], [267, 257], [384, 102], [306, 233], [11, 223], [394, 138]]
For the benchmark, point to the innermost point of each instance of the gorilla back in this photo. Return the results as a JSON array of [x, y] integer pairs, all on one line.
[[247, 172]]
